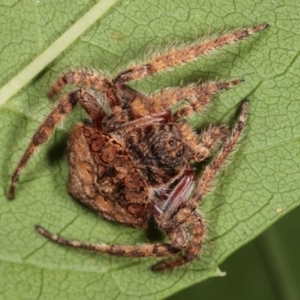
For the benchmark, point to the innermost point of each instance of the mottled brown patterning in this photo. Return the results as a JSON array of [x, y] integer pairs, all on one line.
[[132, 161]]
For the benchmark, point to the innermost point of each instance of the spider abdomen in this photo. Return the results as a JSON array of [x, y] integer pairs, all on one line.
[[103, 177]]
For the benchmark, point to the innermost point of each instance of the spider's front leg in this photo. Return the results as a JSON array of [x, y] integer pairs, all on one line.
[[184, 224], [195, 96], [181, 55], [86, 98]]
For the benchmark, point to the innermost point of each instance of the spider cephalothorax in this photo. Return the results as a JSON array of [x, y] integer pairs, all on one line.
[[132, 161]]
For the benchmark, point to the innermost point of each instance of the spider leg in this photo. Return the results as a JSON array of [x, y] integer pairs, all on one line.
[[88, 79], [198, 102], [202, 145], [182, 55], [156, 249], [212, 136], [197, 96], [86, 98], [196, 229], [211, 171], [187, 221]]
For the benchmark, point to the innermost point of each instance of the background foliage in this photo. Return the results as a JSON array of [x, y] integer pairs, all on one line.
[[260, 185]]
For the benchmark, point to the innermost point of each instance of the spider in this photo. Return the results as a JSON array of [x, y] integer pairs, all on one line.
[[132, 161]]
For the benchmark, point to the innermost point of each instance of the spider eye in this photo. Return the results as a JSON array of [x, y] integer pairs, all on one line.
[[179, 153], [171, 143]]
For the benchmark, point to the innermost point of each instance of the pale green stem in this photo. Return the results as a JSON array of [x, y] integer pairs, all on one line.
[[64, 41]]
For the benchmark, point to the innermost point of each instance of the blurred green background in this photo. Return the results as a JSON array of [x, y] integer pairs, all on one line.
[[268, 268]]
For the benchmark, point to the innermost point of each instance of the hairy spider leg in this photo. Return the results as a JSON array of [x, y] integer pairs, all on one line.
[[156, 249], [87, 79], [181, 55], [212, 170], [195, 228], [114, 96], [62, 108], [197, 96], [198, 102], [188, 216], [210, 139]]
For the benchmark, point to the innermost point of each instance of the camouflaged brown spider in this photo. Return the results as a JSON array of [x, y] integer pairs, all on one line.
[[133, 162]]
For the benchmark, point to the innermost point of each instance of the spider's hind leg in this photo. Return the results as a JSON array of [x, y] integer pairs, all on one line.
[[144, 250], [212, 170]]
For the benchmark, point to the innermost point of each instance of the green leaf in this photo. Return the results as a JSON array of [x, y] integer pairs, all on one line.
[[256, 189]]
